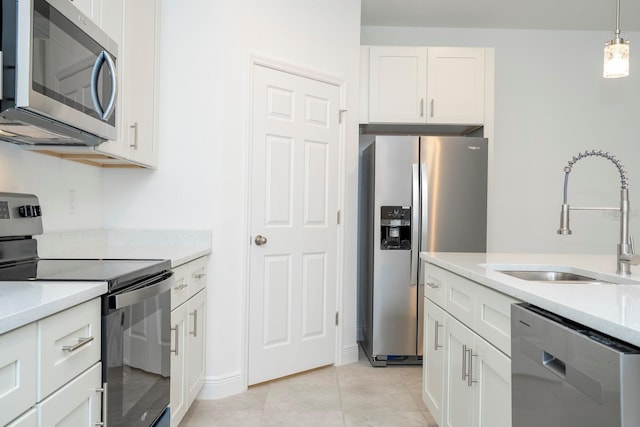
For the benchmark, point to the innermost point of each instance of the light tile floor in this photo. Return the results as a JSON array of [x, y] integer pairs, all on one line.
[[344, 396]]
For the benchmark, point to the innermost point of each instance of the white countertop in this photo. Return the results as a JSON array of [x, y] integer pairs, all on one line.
[[610, 308], [22, 303], [179, 246]]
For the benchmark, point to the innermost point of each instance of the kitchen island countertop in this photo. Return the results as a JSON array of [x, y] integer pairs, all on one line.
[[613, 309]]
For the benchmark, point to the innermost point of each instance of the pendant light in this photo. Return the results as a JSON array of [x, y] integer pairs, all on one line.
[[616, 53]]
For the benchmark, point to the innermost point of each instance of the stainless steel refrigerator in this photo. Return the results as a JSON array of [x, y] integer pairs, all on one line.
[[416, 194]]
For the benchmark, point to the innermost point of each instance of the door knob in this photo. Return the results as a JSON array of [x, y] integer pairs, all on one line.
[[260, 240]]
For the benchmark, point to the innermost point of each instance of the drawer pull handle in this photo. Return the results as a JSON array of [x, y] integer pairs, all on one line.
[[433, 285], [103, 390], [470, 379], [80, 343], [464, 362], [195, 323], [180, 287], [200, 275], [177, 336], [436, 346]]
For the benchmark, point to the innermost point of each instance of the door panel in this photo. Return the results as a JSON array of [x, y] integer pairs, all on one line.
[[294, 191]]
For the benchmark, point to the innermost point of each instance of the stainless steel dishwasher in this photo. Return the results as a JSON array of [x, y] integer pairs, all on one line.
[[564, 374]]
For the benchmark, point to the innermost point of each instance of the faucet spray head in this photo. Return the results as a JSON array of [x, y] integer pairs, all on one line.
[[564, 220]]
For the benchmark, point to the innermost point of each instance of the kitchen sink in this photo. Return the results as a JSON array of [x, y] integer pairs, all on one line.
[[551, 276]]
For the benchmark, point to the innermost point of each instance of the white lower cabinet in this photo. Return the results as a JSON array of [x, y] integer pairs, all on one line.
[[478, 392], [178, 402], [196, 314], [466, 364], [17, 372], [188, 320], [51, 374], [76, 404], [433, 372]]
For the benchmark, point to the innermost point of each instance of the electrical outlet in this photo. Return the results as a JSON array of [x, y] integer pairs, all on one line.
[[72, 201]]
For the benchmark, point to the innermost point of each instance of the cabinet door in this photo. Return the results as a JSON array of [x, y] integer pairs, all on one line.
[[77, 404], [17, 372], [459, 396], [455, 85], [113, 24], [133, 24], [139, 124], [493, 389], [196, 321], [178, 397], [397, 85], [433, 360]]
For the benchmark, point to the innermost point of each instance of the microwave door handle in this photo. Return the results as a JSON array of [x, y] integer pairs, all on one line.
[[94, 84], [103, 58], [112, 102]]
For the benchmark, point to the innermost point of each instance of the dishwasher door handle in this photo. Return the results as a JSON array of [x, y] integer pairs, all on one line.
[[554, 364]]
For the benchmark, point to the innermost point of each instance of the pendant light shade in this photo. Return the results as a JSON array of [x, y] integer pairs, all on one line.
[[616, 53]]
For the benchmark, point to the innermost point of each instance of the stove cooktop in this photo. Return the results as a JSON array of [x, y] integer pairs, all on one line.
[[117, 273]]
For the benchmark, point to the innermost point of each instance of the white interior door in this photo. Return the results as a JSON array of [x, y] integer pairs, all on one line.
[[294, 188]]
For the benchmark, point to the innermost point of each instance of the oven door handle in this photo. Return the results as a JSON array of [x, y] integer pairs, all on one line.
[[126, 299]]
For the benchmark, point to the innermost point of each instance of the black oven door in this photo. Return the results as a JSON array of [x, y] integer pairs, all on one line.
[[136, 352]]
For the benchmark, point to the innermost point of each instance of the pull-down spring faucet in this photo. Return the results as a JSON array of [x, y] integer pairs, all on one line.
[[626, 256]]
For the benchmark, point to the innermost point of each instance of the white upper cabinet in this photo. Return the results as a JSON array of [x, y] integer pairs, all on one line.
[[455, 85], [420, 85], [397, 84], [133, 24]]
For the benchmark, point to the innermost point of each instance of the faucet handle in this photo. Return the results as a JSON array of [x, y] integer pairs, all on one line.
[[632, 246]]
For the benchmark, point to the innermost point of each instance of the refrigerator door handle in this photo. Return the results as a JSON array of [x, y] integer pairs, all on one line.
[[423, 215], [415, 217]]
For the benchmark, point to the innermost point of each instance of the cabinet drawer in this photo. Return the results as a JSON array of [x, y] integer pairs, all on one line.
[[435, 279], [180, 290], [77, 403], [493, 317], [17, 372], [460, 298], [197, 275], [68, 343]]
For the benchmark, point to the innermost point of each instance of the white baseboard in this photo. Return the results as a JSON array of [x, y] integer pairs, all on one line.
[[218, 387], [349, 354]]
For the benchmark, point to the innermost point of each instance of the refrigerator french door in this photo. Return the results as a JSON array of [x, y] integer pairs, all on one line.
[[417, 194]]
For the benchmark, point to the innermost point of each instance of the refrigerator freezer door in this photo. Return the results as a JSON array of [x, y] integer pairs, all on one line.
[[395, 291], [454, 194]]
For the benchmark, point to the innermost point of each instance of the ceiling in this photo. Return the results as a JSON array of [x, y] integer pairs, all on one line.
[[588, 15]]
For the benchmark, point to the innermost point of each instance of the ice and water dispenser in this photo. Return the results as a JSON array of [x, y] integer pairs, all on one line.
[[395, 227]]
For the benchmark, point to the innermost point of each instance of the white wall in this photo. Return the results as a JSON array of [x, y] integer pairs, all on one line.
[[202, 179], [550, 103], [70, 193]]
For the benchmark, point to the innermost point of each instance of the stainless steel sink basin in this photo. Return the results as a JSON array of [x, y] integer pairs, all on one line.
[[551, 276]]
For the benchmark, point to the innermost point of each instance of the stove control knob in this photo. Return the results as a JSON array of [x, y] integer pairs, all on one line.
[[30, 211]]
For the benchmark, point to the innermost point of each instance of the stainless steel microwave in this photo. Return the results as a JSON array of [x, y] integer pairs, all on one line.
[[59, 78]]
